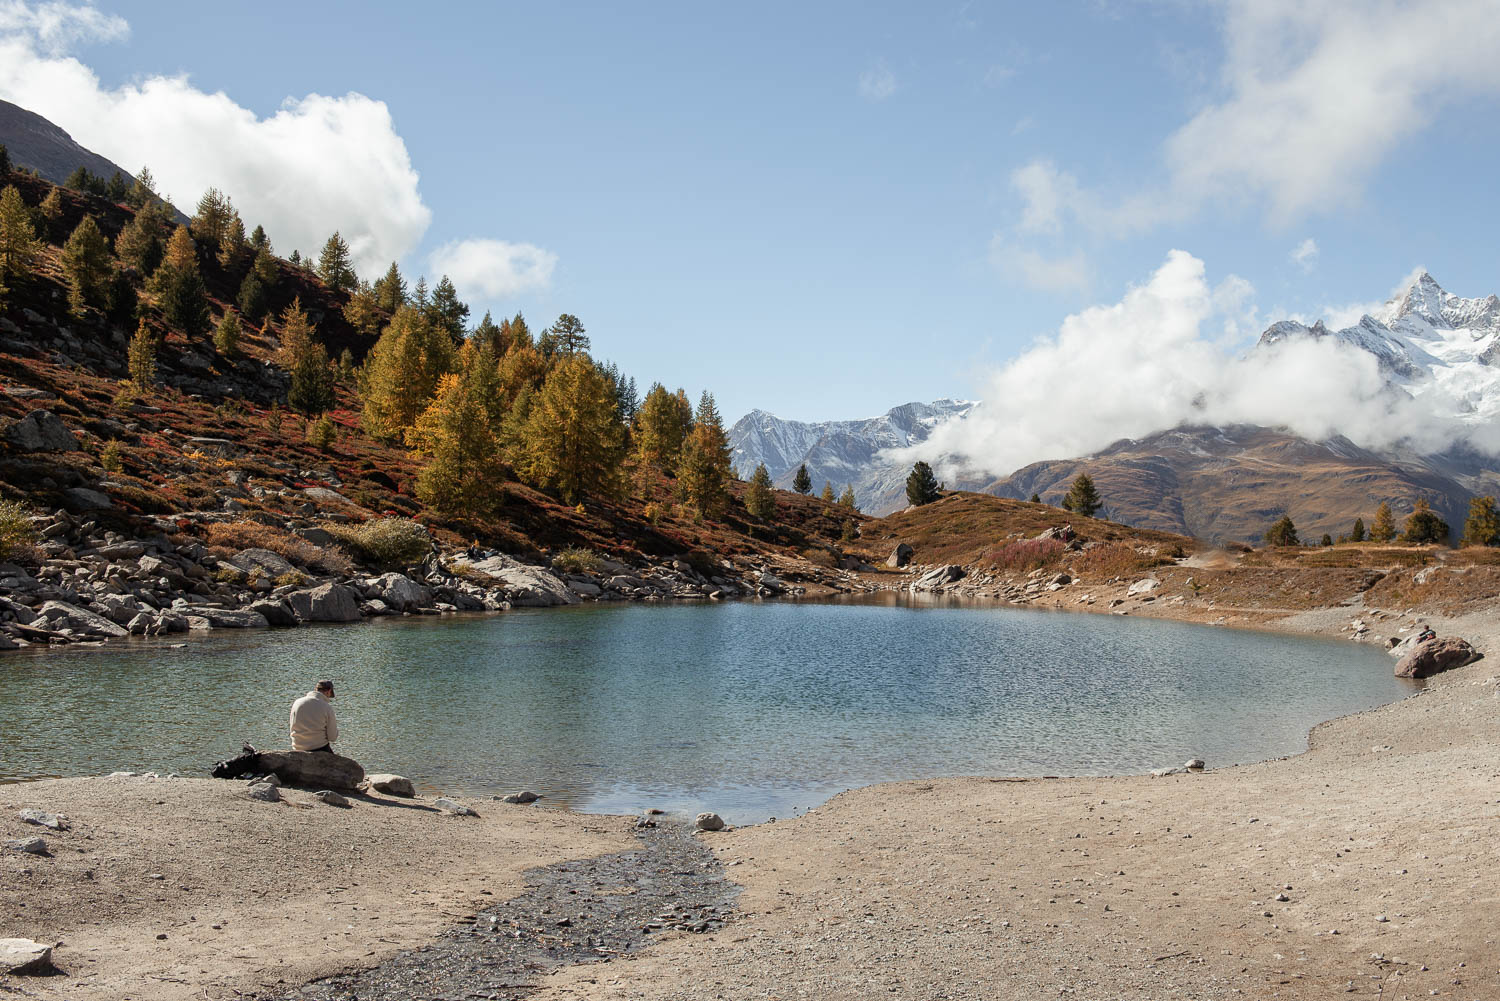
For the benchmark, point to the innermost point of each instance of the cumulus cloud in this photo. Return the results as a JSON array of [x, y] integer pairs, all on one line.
[[59, 26], [318, 164], [877, 83], [493, 268], [1171, 352], [1305, 254], [1310, 100]]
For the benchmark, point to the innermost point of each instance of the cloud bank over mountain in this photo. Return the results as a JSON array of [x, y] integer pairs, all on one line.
[[1172, 352]]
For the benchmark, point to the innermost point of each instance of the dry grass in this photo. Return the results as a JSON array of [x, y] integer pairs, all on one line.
[[238, 535], [1119, 559], [385, 543]]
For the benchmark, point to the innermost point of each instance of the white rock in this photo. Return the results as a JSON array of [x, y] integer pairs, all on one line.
[[40, 818], [263, 791], [392, 785], [23, 956], [519, 797], [1144, 586], [708, 822], [453, 807]]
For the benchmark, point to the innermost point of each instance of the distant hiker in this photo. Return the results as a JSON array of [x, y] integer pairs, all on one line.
[[1427, 634], [314, 727]]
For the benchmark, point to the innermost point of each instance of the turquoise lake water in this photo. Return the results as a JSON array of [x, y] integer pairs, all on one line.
[[749, 709]]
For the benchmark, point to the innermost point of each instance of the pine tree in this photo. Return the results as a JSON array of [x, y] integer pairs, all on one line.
[[565, 337], [259, 240], [227, 334], [703, 473], [760, 498], [235, 244], [18, 243], [462, 451], [447, 312], [252, 298], [78, 180], [51, 211], [1082, 499], [419, 299], [87, 267], [312, 386], [921, 485], [489, 335], [1384, 529], [1036, 498], [1283, 533], [334, 266], [390, 290], [846, 499], [321, 433], [4, 161], [573, 439], [827, 493], [264, 268], [401, 373], [185, 302], [117, 187], [802, 482], [141, 358], [1424, 525], [1357, 533], [517, 335], [1482, 527]]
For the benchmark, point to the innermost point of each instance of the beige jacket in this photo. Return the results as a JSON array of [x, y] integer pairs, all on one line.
[[313, 722]]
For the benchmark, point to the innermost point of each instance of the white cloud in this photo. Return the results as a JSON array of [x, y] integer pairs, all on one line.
[[1171, 353], [1310, 100], [877, 83], [1305, 254], [59, 26], [493, 268]]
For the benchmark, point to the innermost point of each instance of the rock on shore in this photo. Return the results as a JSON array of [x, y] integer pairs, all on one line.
[[1436, 656]]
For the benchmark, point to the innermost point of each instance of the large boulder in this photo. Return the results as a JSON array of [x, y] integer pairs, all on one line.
[[275, 611], [82, 499], [392, 785], [325, 603], [401, 593], [22, 957], [263, 562], [1436, 656], [938, 577], [313, 769], [79, 619], [900, 556], [41, 431], [228, 618], [529, 586]]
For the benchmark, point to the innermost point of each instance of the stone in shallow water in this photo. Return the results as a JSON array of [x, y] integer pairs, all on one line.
[[519, 797], [709, 822]]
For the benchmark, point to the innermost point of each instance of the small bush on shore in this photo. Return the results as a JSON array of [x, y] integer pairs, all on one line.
[[237, 535], [18, 537], [1025, 555], [385, 542], [577, 560], [1116, 559]]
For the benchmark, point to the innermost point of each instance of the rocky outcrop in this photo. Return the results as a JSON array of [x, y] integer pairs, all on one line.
[[324, 603], [1436, 656], [938, 578], [531, 587], [308, 769], [41, 431], [900, 556]]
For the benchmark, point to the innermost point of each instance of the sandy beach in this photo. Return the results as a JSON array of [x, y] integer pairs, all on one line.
[[1363, 866]]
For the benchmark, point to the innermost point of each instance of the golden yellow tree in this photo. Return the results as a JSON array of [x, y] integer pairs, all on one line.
[[704, 472], [462, 454], [401, 374], [573, 439]]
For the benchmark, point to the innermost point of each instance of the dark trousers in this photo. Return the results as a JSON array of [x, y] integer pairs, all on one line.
[[326, 747]]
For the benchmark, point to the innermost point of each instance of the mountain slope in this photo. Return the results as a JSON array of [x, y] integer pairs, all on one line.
[[34, 142], [840, 452]]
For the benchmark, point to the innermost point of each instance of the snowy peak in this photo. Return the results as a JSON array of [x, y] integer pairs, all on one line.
[[1426, 341]]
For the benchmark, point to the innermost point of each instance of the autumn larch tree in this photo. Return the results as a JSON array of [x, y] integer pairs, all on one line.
[[573, 439], [227, 334], [18, 243], [402, 371], [141, 358], [456, 438], [760, 497], [661, 428], [828, 494], [305, 358], [1384, 528], [703, 474], [921, 485], [390, 290], [847, 499], [1082, 499], [1482, 527], [802, 481]]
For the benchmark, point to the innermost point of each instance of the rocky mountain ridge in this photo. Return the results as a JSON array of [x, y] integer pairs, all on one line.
[[33, 141]]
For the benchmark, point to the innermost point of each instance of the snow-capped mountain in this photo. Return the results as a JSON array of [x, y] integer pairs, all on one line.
[[1429, 343], [840, 452]]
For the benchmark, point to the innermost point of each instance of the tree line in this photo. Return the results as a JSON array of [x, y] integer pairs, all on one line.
[[1423, 526]]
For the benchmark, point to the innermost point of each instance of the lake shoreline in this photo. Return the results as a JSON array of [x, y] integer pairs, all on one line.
[[1197, 862]]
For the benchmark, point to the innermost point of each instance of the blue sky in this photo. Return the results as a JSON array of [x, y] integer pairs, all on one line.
[[820, 210]]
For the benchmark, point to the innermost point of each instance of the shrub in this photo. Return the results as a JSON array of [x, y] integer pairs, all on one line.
[[577, 560], [292, 578], [238, 535], [1025, 555], [18, 537], [386, 542], [654, 512], [111, 458], [227, 574], [320, 434]]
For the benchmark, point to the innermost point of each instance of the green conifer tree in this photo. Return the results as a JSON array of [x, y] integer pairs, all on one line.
[[703, 472], [1482, 527], [227, 334], [1424, 526], [847, 499], [565, 337], [447, 312], [921, 485], [1384, 528], [1357, 533], [802, 482], [141, 358], [573, 438], [1283, 533], [390, 290], [87, 267], [401, 373], [760, 497], [18, 243], [1082, 499], [334, 266]]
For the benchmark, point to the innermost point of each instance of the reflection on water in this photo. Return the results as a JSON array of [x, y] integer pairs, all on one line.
[[750, 709]]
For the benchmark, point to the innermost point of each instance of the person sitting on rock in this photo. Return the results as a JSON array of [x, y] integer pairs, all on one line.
[[314, 727]]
